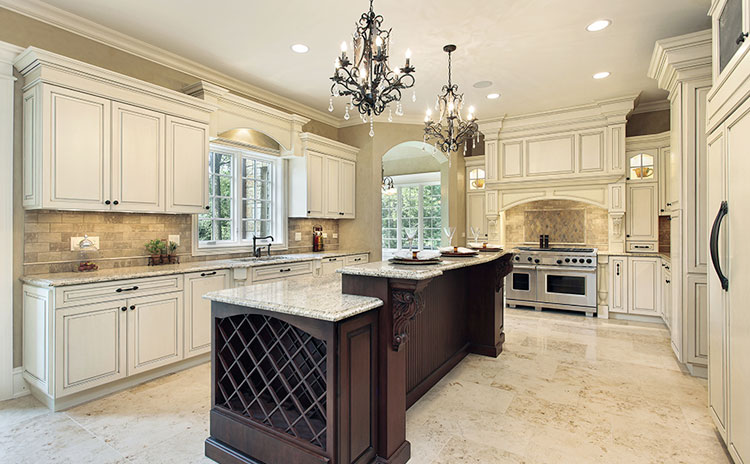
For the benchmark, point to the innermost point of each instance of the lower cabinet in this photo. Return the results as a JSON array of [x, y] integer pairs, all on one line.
[[666, 294], [634, 285], [154, 331], [330, 265], [198, 309]]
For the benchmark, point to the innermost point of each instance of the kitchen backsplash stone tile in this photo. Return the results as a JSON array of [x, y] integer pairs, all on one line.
[[122, 237], [567, 222], [664, 234]]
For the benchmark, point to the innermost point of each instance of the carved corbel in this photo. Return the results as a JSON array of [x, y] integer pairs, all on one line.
[[503, 267], [407, 301]]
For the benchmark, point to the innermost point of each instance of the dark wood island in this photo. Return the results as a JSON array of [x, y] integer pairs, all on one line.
[[322, 369]]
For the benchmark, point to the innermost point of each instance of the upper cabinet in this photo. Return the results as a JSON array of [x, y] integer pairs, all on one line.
[[322, 182], [642, 166], [99, 141]]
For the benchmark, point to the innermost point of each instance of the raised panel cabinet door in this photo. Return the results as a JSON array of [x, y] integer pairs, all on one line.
[[332, 187], [641, 219], [316, 189], [329, 265], [138, 159], [77, 150], [737, 269], [348, 188], [663, 176], [697, 305], [187, 166], [643, 286], [618, 296], [154, 331], [90, 346], [475, 215], [198, 309], [716, 177]]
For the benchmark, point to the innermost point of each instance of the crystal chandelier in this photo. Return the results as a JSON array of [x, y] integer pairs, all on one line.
[[450, 130], [367, 78]]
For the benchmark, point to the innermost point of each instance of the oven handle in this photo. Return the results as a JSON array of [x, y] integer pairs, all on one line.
[[528, 267], [587, 270]]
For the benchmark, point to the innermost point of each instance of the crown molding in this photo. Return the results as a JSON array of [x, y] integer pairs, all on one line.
[[638, 142], [650, 107], [325, 145], [54, 16], [681, 58], [9, 52]]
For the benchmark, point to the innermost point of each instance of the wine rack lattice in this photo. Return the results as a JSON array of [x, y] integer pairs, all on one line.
[[273, 373]]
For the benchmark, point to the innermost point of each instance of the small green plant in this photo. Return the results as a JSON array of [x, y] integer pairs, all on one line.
[[171, 247], [155, 247]]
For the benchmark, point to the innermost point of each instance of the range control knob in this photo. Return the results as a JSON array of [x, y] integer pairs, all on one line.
[[567, 260], [536, 261], [529, 258], [588, 260], [517, 258], [559, 261], [575, 260]]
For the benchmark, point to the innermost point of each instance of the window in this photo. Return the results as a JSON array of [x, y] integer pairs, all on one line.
[[476, 179], [412, 208], [245, 199]]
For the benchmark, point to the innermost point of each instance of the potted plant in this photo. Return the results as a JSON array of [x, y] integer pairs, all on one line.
[[154, 248], [172, 256]]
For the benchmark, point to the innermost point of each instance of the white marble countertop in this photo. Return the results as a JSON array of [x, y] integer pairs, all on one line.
[[418, 272], [313, 297], [63, 279]]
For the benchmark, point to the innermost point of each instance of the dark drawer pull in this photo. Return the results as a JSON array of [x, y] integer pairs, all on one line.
[[124, 308], [357, 259], [330, 260], [285, 270], [641, 246], [741, 38], [120, 290], [204, 274], [132, 307]]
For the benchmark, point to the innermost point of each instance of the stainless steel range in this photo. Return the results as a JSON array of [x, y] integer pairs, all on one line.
[[554, 278]]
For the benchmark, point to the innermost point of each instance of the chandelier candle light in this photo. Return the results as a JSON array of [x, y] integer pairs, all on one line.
[[450, 130], [367, 78]]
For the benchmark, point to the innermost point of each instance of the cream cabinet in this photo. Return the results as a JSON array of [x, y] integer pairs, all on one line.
[[330, 265], [198, 310], [635, 285], [618, 286], [322, 182], [666, 293], [90, 346], [663, 176], [476, 216], [94, 140], [641, 218], [355, 260], [154, 331], [138, 159]]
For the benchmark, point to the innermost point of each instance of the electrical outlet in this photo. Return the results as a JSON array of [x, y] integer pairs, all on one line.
[[74, 241], [335, 235], [325, 234], [175, 238], [298, 236]]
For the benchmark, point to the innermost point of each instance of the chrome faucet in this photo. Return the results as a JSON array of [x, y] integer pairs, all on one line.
[[257, 252]]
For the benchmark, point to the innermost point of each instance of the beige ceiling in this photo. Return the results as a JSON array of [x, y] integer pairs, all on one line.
[[536, 52]]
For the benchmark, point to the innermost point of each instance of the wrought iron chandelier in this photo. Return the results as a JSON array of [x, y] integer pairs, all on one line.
[[450, 130], [387, 183], [367, 78]]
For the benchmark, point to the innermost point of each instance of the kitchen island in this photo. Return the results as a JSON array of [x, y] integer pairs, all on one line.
[[311, 371]]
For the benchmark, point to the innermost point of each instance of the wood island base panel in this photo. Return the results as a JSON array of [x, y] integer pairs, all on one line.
[[288, 387]]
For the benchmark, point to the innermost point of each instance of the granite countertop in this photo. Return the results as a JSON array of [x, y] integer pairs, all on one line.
[[313, 297], [418, 272], [652, 254], [63, 279]]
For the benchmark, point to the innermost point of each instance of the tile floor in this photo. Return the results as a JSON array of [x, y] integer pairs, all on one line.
[[567, 389]]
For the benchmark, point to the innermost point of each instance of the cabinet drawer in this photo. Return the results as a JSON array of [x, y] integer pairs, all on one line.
[[107, 291], [280, 271], [643, 247], [356, 259]]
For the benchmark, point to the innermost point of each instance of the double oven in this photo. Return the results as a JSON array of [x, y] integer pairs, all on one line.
[[553, 278]]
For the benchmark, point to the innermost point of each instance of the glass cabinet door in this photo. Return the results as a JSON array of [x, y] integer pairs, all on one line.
[[730, 31], [641, 166]]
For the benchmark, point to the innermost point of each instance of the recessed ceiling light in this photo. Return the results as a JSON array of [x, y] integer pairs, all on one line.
[[601, 75], [300, 48], [482, 84], [598, 25], [493, 96]]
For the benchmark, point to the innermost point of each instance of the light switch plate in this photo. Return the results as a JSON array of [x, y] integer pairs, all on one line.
[[325, 234], [298, 236], [74, 241], [175, 238], [335, 235]]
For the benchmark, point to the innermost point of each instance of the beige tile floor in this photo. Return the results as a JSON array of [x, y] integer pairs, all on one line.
[[567, 389]]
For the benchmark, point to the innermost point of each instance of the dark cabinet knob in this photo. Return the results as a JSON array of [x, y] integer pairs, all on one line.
[[627, 235], [124, 308], [208, 207], [308, 212], [536, 261], [627, 178], [588, 261], [661, 210], [107, 202], [115, 202], [559, 261], [529, 258], [517, 258], [567, 260], [575, 260], [132, 307], [741, 38], [668, 281]]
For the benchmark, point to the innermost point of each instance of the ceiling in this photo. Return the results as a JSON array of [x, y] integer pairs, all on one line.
[[537, 53]]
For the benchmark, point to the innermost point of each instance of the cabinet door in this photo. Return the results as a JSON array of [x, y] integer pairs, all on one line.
[[618, 296], [716, 178], [641, 219], [187, 166], [663, 176], [475, 215], [198, 309], [643, 286], [138, 159], [329, 265], [348, 188], [154, 331], [77, 150], [737, 269], [642, 166], [332, 187], [315, 185], [90, 346]]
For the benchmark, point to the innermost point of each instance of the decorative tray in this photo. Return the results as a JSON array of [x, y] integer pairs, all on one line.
[[415, 261]]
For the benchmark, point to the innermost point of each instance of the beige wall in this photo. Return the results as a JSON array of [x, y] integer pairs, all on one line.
[[653, 122]]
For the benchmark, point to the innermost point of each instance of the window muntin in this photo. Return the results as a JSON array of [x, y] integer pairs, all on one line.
[[216, 225], [642, 166], [412, 206], [257, 197]]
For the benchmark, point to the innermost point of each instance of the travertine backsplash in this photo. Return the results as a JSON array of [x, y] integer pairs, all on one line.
[[664, 234], [566, 222], [122, 237]]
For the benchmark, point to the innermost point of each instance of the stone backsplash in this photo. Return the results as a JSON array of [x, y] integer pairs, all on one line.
[[664, 234], [566, 222], [122, 237]]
